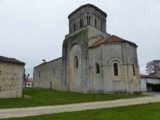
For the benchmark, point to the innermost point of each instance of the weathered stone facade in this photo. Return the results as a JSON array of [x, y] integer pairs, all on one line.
[[87, 15], [95, 61], [48, 74], [122, 53], [11, 77]]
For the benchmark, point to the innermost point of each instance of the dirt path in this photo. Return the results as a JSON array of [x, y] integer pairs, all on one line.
[[33, 111]]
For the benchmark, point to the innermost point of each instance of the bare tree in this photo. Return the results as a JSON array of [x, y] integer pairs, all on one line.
[[153, 66]]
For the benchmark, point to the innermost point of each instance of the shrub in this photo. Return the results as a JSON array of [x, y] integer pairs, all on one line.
[[153, 87]]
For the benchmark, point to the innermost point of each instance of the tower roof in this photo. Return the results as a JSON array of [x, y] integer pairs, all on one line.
[[87, 5]]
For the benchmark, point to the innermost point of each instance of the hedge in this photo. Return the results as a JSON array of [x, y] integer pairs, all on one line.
[[154, 87]]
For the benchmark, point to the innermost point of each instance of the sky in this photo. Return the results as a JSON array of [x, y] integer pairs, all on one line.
[[33, 30]]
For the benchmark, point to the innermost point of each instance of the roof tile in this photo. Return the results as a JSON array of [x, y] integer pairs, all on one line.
[[110, 39]]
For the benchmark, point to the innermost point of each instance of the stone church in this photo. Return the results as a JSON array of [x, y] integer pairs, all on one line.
[[92, 59]]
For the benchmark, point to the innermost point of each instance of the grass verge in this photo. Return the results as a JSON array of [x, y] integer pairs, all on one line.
[[137, 112], [43, 97]]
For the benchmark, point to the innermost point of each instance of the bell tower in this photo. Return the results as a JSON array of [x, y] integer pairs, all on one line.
[[85, 22], [87, 15]]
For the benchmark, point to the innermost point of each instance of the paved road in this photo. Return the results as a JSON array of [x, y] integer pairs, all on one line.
[[33, 111]]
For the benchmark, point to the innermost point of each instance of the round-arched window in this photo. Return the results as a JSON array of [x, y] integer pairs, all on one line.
[[76, 62], [97, 68], [115, 68]]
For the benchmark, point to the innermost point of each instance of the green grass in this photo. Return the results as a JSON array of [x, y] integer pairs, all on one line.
[[43, 97], [138, 112]]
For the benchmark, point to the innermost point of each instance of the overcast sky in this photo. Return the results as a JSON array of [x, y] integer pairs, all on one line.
[[32, 30]]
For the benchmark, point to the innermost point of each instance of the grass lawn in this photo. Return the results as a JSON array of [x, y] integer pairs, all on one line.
[[138, 112], [43, 97]]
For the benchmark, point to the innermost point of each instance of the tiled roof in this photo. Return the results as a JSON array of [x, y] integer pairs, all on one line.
[[155, 75], [10, 60], [87, 5], [142, 76], [110, 39]]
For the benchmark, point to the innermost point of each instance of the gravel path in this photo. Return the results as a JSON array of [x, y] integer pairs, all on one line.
[[33, 111]]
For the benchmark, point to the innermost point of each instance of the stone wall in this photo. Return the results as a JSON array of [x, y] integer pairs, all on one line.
[[48, 75], [11, 80], [77, 44], [125, 56], [87, 16], [86, 69]]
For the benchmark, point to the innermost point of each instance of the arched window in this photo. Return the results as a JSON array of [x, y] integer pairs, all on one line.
[[76, 62], [81, 24], [97, 68], [95, 23], [133, 70], [115, 68], [74, 26]]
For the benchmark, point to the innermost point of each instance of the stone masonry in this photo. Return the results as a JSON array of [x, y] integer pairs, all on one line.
[[11, 77], [92, 59]]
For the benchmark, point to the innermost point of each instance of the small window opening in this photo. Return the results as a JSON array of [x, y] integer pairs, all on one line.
[[115, 67], [133, 69], [81, 24], [88, 20], [95, 23], [101, 25], [51, 85], [76, 62], [74, 26], [97, 68]]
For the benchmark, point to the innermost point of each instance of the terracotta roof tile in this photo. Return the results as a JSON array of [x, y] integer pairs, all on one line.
[[155, 75], [142, 76], [108, 40]]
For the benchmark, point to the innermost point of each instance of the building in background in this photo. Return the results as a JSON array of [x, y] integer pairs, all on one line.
[[29, 83], [11, 77], [153, 77], [92, 59], [48, 74]]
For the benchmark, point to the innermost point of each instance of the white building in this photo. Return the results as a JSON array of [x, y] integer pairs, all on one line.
[[153, 78]]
